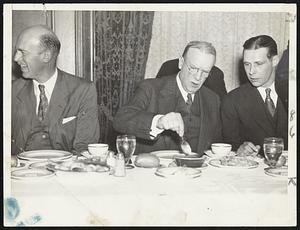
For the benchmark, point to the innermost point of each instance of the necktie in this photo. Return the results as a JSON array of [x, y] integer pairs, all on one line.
[[269, 102], [189, 101], [43, 105]]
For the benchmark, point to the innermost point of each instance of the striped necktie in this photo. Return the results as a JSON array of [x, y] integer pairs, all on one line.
[[189, 101], [269, 102], [43, 105]]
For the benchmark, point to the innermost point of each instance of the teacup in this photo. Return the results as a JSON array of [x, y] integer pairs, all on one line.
[[99, 150], [221, 149]]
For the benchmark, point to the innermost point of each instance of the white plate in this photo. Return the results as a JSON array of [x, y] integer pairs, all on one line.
[[212, 155], [29, 174], [169, 154], [217, 163], [178, 172], [277, 172], [42, 155]]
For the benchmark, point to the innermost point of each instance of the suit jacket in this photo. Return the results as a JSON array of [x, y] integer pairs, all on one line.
[[245, 118], [71, 96], [160, 96], [215, 80]]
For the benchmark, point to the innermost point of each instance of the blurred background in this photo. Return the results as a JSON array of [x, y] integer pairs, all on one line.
[[117, 49]]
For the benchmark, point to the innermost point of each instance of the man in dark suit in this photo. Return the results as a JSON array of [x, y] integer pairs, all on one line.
[[214, 81], [51, 109], [164, 109], [255, 110]]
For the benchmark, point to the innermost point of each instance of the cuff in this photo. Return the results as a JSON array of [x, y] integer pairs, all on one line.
[[154, 130]]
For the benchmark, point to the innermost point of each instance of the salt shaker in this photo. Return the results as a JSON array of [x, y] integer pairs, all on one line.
[[120, 165], [111, 160]]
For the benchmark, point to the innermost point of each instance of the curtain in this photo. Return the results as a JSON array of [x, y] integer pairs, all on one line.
[[227, 31], [121, 46]]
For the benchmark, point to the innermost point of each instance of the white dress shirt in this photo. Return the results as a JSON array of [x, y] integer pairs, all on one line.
[[273, 94], [49, 86], [154, 130]]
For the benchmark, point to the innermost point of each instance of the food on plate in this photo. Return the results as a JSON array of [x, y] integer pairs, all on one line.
[[146, 160], [14, 161], [78, 166], [281, 161], [236, 161]]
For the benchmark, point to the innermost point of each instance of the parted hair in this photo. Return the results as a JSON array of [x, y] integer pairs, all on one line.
[[262, 41], [203, 46]]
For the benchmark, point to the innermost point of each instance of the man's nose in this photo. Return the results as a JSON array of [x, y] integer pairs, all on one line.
[[251, 69], [198, 75], [17, 56]]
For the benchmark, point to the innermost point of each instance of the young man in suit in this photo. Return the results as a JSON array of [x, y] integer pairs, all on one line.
[[51, 109], [164, 109], [255, 110]]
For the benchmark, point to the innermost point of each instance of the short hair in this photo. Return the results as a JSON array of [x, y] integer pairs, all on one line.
[[203, 46], [50, 41], [262, 41]]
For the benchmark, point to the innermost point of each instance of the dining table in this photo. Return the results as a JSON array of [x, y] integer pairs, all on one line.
[[220, 196]]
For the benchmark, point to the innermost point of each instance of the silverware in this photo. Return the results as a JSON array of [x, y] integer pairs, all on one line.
[[185, 146]]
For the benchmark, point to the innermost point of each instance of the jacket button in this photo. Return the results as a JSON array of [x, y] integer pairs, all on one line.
[[44, 136]]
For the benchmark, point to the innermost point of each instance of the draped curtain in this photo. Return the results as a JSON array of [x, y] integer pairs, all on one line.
[[227, 31], [121, 46]]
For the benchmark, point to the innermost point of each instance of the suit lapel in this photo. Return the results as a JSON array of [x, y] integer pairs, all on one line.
[[203, 121], [58, 100], [257, 110], [27, 103], [168, 96]]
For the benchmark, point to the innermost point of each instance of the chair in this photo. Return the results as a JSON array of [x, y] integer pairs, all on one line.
[[215, 80]]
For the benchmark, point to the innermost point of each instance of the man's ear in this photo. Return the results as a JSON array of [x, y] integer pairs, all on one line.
[[275, 60], [46, 55], [180, 62]]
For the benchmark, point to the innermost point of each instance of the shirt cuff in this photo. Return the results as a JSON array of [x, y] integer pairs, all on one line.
[[154, 130]]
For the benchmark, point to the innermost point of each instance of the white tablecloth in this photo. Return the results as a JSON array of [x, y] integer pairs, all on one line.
[[218, 197]]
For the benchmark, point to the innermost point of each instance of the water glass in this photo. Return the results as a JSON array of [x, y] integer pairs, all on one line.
[[126, 145], [273, 147]]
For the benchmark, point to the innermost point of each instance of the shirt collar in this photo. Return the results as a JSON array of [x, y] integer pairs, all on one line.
[[181, 89], [49, 85], [273, 94]]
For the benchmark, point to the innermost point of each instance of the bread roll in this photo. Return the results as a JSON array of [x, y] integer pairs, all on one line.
[[146, 160]]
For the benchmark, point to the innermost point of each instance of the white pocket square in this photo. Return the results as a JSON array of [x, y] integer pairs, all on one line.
[[67, 119]]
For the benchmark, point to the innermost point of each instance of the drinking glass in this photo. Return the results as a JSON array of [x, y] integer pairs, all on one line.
[[126, 144], [273, 148]]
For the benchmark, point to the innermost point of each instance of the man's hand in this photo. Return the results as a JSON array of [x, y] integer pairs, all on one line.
[[172, 121], [248, 148]]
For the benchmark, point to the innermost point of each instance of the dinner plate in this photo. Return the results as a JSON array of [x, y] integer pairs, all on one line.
[[41, 155], [29, 174], [169, 154], [277, 172], [178, 172], [217, 163], [212, 155]]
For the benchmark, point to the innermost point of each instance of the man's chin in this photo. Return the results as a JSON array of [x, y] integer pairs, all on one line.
[[255, 83]]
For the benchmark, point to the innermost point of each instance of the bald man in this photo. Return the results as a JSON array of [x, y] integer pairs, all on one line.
[[51, 109]]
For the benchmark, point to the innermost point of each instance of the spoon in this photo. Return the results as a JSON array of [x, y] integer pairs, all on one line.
[[185, 146]]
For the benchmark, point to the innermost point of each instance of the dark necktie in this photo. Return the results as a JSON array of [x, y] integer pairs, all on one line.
[[269, 102], [189, 101], [43, 105]]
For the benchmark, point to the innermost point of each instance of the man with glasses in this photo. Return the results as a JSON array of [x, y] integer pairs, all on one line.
[[256, 110], [163, 110]]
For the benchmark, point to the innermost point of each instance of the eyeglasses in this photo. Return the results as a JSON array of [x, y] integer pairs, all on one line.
[[194, 70]]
